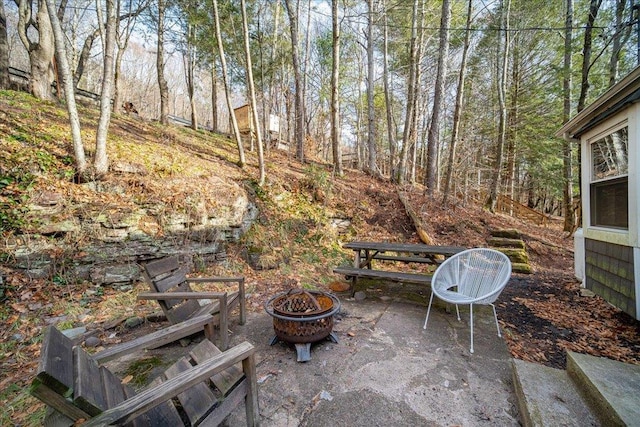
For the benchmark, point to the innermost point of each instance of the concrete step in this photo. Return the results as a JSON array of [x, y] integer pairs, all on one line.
[[547, 397], [612, 388], [593, 391]]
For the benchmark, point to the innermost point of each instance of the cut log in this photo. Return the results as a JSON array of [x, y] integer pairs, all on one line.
[[417, 220]]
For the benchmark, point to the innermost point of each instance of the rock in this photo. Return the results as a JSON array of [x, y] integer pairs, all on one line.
[[508, 233], [92, 342], [360, 296], [503, 242], [133, 322], [75, 332], [520, 267]]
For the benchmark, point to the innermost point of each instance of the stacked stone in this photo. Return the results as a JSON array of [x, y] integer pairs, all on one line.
[[510, 243]]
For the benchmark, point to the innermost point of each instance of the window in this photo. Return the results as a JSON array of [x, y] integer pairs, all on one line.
[[609, 182]]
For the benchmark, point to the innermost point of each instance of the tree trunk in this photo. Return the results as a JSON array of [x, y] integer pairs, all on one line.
[[457, 113], [594, 7], [40, 53], [371, 124], [101, 162], [502, 50], [567, 161], [620, 36], [252, 94], [387, 97], [225, 82], [438, 101], [335, 100], [67, 81], [162, 81], [299, 132], [411, 91], [4, 50], [189, 58], [214, 94]]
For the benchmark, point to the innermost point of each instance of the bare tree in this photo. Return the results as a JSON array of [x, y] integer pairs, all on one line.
[[41, 51], [335, 84], [160, 64], [567, 166], [371, 125], [4, 49], [502, 54], [299, 126], [101, 162], [438, 100], [252, 92], [457, 113], [387, 95], [225, 82], [594, 7], [189, 59], [620, 36], [411, 98], [67, 81]]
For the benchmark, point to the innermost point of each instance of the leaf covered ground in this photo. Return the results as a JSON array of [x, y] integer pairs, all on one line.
[[306, 214]]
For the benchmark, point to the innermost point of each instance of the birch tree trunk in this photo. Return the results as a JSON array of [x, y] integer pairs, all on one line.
[[189, 65], [502, 53], [67, 81], [101, 162], [335, 84], [431, 181], [620, 36], [457, 113], [225, 82], [299, 122], [214, 93], [252, 93]]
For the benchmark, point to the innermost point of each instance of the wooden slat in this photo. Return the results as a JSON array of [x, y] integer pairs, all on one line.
[[393, 276], [55, 369], [161, 266], [198, 399], [88, 394], [410, 248], [54, 379], [225, 380], [182, 312], [149, 398], [172, 281], [115, 393], [165, 414], [227, 406], [155, 339]]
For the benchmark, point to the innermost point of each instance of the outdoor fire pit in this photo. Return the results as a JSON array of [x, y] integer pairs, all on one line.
[[303, 317]]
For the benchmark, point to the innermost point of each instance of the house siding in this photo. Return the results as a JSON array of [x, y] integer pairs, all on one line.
[[609, 271]]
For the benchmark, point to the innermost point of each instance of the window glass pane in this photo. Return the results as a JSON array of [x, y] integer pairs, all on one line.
[[609, 155], [610, 203]]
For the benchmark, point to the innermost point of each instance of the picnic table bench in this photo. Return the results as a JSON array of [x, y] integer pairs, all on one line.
[[365, 253]]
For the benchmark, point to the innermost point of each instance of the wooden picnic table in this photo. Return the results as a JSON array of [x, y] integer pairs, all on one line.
[[366, 252]]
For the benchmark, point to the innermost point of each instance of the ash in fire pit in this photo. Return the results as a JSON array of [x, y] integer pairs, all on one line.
[[302, 318]]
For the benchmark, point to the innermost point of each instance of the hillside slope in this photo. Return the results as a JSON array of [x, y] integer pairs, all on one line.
[[305, 214]]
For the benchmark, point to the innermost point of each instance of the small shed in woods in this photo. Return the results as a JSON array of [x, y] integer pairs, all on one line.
[[607, 248], [243, 117]]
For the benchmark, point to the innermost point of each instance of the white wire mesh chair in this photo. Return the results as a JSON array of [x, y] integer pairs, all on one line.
[[474, 276]]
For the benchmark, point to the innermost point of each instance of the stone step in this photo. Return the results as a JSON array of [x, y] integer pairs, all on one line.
[[612, 388], [547, 397], [593, 391]]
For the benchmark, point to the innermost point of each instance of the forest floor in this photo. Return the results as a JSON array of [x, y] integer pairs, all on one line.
[[542, 314]]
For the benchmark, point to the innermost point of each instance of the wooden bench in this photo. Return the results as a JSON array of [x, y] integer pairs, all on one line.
[[207, 383], [171, 287], [394, 276]]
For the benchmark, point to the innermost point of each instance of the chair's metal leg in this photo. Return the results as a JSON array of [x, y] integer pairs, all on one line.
[[428, 310], [458, 312], [471, 324], [495, 316]]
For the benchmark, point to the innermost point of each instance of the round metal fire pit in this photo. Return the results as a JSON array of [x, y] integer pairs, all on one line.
[[302, 317]]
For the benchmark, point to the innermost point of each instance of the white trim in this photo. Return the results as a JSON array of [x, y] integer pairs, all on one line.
[[636, 273]]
